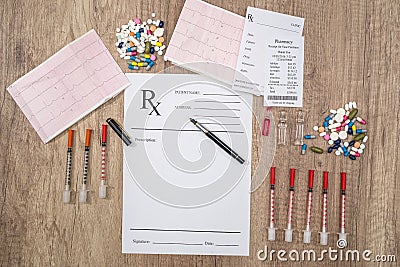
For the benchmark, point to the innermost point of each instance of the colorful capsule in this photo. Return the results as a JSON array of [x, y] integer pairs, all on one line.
[[362, 121], [317, 150], [150, 65], [308, 136], [131, 49], [353, 113], [359, 137], [135, 59], [352, 122], [330, 116]]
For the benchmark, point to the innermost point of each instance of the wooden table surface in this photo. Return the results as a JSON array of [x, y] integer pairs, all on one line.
[[352, 53]]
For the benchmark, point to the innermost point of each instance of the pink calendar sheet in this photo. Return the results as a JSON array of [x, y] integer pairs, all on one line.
[[206, 40], [68, 86]]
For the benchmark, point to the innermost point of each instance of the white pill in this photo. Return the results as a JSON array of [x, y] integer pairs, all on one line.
[[330, 121], [330, 142], [342, 135], [334, 136], [341, 111], [149, 21], [162, 47], [354, 149], [338, 118], [352, 153], [117, 29], [360, 151], [322, 134], [362, 146], [354, 105], [340, 149], [346, 128], [346, 144], [122, 55], [153, 15], [334, 125], [154, 22], [315, 128], [127, 57], [156, 48], [346, 107], [160, 53], [347, 113], [119, 50], [350, 105], [153, 42], [365, 139], [157, 22], [333, 111], [337, 153]]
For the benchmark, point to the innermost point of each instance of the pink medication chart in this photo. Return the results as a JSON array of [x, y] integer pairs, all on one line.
[[68, 86], [206, 33]]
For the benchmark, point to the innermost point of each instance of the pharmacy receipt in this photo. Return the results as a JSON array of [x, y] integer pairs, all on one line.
[[271, 56], [182, 194]]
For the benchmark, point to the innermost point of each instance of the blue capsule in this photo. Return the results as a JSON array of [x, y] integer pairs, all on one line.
[[151, 50], [337, 142], [336, 146], [351, 143], [350, 131], [352, 122], [330, 149], [133, 67], [131, 49], [161, 24], [326, 124], [303, 149], [150, 65], [352, 157], [141, 30], [135, 59], [308, 136], [329, 117], [358, 131], [120, 45]]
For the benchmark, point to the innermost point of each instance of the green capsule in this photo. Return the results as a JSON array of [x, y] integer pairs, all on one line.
[[353, 113], [359, 137], [317, 150], [147, 48]]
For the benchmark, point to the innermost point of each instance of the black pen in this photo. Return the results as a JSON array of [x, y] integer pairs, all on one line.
[[218, 141], [120, 131]]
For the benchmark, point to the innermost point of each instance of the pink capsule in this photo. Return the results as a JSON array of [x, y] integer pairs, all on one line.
[[131, 53], [362, 121], [345, 117], [148, 32], [338, 129]]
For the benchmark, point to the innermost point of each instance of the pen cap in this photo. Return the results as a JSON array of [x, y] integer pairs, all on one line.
[[310, 178], [292, 175], [70, 137], [88, 135], [343, 180], [325, 184], [104, 133], [272, 176]]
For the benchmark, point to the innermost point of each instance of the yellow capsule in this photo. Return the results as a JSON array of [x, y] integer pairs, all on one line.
[[140, 64], [158, 44], [353, 128], [146, 56], [134, 63]]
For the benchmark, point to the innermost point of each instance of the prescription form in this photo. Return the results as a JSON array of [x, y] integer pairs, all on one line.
[[182, 194]]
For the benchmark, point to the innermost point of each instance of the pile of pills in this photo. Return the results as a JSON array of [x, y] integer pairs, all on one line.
[[342, 130], [139, 42]]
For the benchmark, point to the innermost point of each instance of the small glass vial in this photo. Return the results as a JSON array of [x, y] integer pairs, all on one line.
[[282, 128], [267, 122], [298, 141]]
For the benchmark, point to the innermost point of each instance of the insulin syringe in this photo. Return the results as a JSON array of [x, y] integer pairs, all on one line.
[[271, 229], [324, 233], [288, 230], [67, 190], [307, 232], [342, 234], [83, 192], [103, 186]]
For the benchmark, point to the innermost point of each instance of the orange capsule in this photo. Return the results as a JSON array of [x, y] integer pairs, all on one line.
[[161, 39], [131, 43], [131, 33]]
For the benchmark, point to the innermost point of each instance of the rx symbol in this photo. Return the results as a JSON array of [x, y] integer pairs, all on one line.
[[250, 17], [147, 99]]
